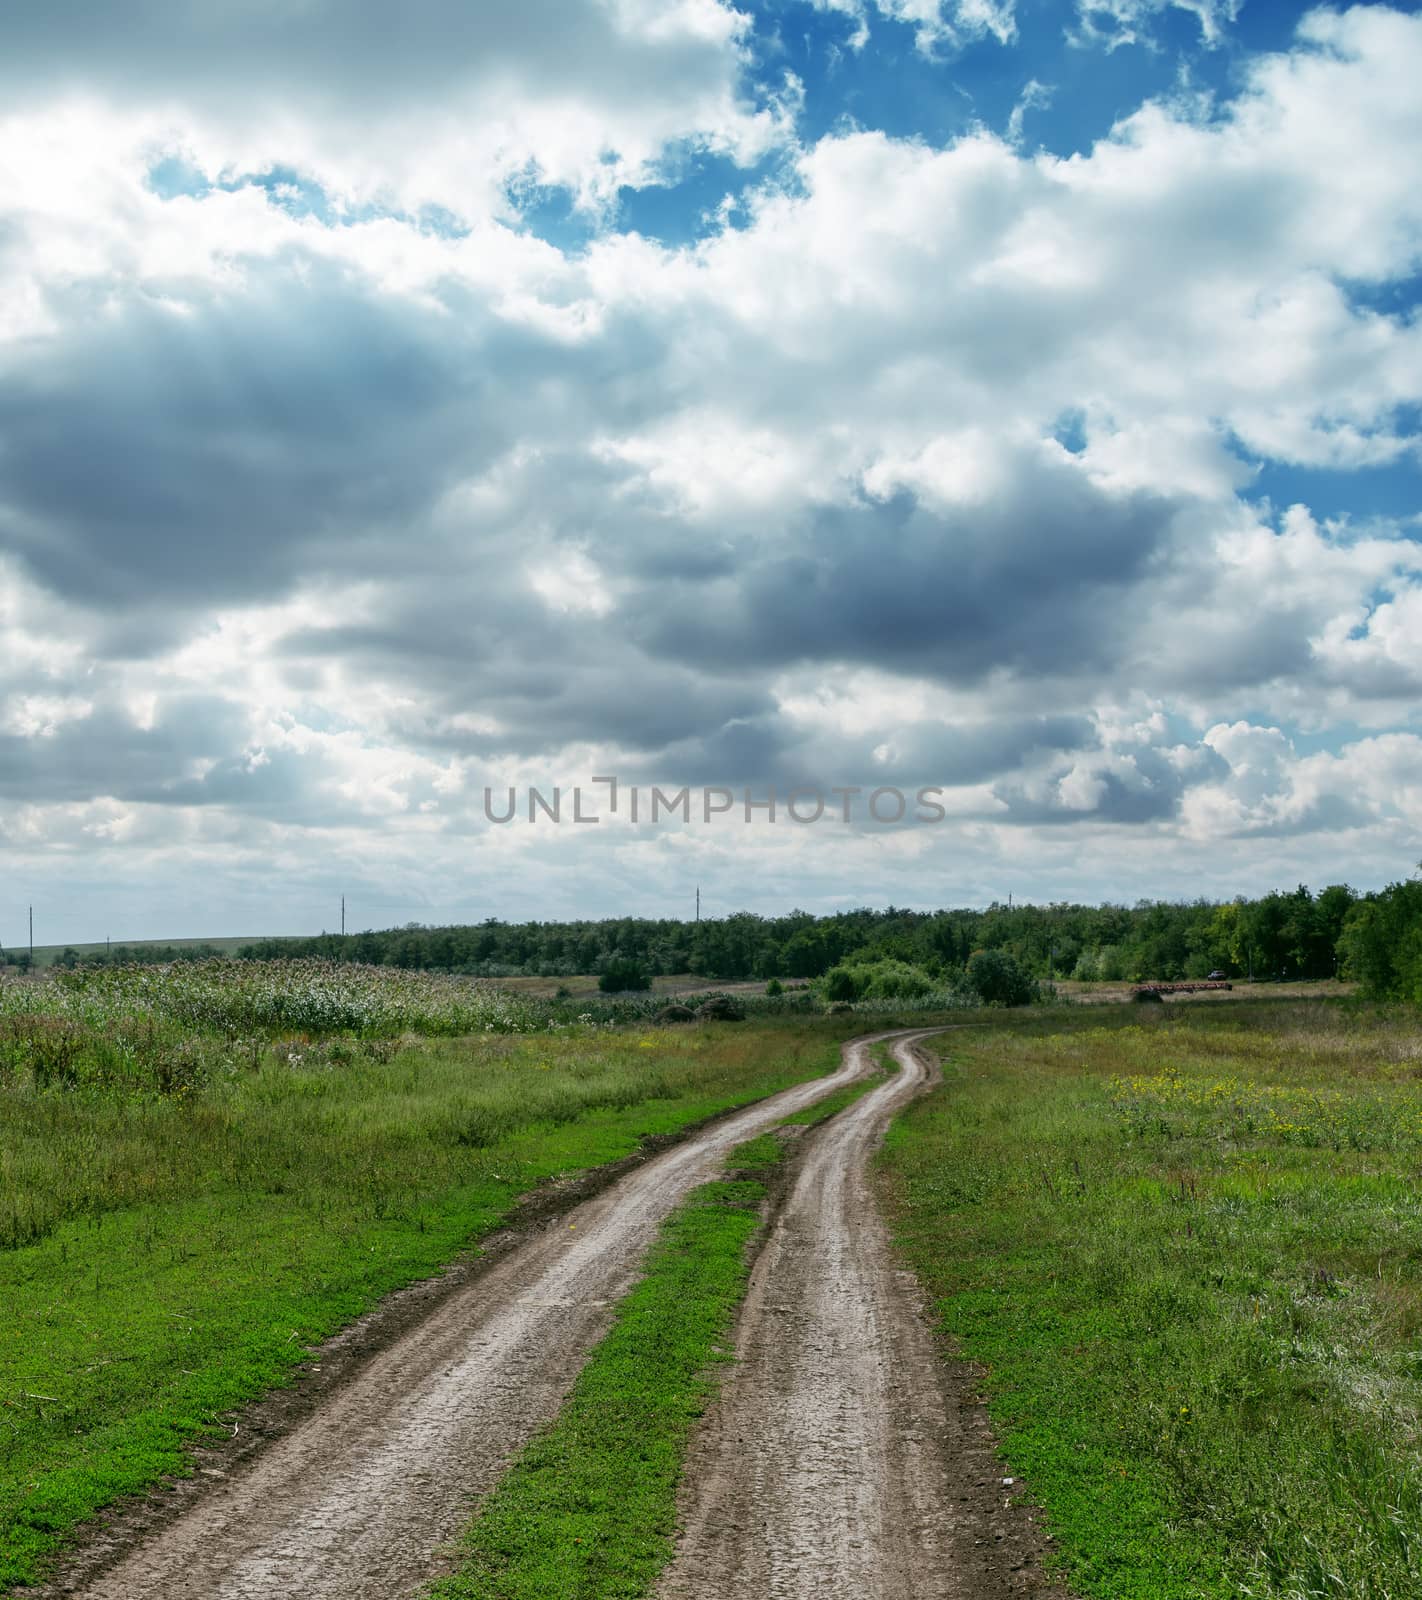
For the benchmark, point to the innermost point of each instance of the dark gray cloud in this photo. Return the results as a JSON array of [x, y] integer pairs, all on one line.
[[1035, 581], [107, 753], [1119, 801], [149, 457], [1137, 782], [977, 752], [769, 749]]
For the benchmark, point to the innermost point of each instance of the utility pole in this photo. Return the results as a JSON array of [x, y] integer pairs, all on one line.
[[698, 902], [343, 916], [32, 938]]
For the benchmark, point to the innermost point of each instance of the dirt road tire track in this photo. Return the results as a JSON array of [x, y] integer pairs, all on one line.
[[845, 1457], [358, 1501]]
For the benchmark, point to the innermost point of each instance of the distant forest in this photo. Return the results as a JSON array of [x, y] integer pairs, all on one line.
[[1375, 938]]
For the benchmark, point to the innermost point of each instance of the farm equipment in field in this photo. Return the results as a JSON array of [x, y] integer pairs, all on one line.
[[1163, 989]]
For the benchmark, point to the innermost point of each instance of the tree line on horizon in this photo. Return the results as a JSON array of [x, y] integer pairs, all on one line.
[[1374, 938]]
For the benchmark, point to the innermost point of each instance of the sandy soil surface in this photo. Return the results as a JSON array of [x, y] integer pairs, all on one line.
[[359, 1499], [845, 1456]]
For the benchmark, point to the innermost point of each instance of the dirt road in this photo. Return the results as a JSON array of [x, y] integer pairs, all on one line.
[[842, 1458], [357, 1501]]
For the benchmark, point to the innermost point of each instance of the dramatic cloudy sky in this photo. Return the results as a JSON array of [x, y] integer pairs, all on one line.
[[1017, 396]]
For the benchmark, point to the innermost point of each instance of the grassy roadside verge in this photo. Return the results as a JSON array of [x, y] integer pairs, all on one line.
[[189, 1250], [588, 1511], [1188, 1254]]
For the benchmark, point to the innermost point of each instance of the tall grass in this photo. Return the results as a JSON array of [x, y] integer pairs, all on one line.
[[1188, 1253], [167, 1029]]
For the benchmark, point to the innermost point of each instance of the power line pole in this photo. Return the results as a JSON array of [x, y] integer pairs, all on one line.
[[32, 936], [698, 902], [343, 916]]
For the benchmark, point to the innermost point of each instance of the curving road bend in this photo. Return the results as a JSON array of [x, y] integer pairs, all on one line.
[[821, 1469], [357, 1502]]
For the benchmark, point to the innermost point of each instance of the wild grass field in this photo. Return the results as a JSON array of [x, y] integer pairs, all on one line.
[[1185, 1246], [1184, 1242], [199, 1180], [138, 1028]]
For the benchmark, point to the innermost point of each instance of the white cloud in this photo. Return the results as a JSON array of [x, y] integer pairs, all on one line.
[[1269, 788], [1122, 22], [938, 25], [406, 508], [445, 106]]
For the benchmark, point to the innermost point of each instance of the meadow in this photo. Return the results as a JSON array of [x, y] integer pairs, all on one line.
[[1184, 1246], [205, 1171]]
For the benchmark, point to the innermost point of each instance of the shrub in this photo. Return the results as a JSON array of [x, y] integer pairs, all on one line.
[[841, 984], [621, 974], [885, 979], [999, 980], [894, 980]]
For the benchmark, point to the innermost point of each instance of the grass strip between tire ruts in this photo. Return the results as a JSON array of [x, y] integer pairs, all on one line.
[[588, 1511]]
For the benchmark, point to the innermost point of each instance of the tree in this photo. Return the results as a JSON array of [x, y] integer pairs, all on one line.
[[1332, 908], [999, 980], [1381, 945]]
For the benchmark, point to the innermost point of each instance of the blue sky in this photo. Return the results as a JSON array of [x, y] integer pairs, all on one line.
[[1019, 397]]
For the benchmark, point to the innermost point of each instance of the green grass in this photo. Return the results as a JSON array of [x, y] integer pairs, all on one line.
[[588, 1511], [173, 1256], [1188, 1252]]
